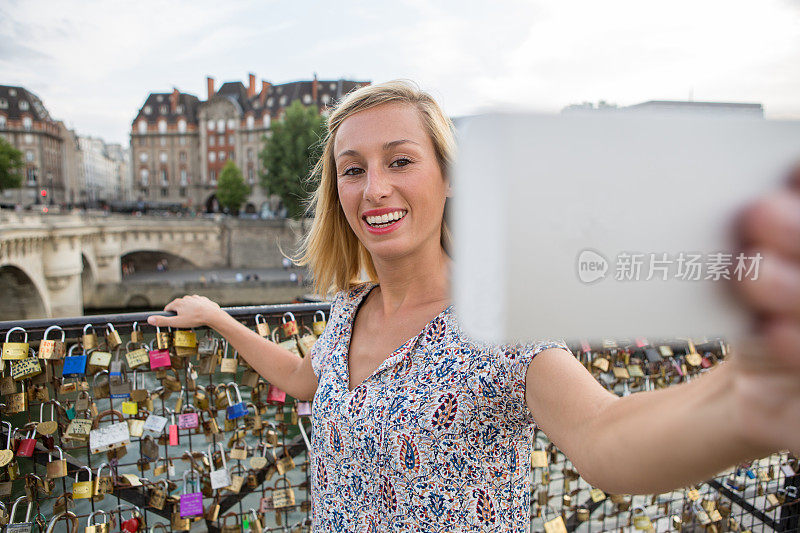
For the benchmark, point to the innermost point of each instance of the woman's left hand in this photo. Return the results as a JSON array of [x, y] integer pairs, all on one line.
[[766, 372]]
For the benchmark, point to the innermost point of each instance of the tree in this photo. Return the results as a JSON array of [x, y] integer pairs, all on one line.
[[11, 166], [289, 155], [232, 191]]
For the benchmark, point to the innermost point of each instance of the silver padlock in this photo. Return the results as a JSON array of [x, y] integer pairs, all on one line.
[[219, 478], [20, 527]]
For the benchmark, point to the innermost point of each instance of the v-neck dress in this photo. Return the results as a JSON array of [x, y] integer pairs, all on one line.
[[437, 438]]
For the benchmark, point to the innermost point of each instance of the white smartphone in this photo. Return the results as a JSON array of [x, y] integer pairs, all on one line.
[[607, 225]]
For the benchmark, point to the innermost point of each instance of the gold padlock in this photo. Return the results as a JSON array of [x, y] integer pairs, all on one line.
[[112, 337], [83, 489]]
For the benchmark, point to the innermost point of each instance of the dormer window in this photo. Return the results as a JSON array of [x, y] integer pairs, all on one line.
[[164, 110], [147, 110], [23, 105]]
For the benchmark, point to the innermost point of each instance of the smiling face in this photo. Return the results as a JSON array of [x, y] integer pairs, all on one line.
[[389, 181]]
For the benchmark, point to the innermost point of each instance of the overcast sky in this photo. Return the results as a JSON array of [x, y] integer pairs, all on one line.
[[94, 62]]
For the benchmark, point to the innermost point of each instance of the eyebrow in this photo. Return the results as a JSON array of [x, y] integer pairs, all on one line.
[[386, 146]]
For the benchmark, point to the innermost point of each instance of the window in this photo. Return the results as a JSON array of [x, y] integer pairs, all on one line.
[[184, 178], [251, 175], [162, 141], [28, 138], [3, 103], [231, 124], [164, 192], [250, 137], [162, 126], [212, 156], [325, 99], [144, 175], [182, 157], [230, 154], [12, 92], [212, 140], [249, 154], [212, 177], [183, 192], [160, 98], [29, 155], [179, 109], [142, 141], [332, 86], [282, 100], [31, 176], [269, 101], [162, 157], [182, 126], [164, 181], [250, 122], [143, 157], [221, 156], [142, 126], [306, 98], [23, 105], [221, 140], [231, 140], [164, 110], [2, 122], [266, 121], [147, 110], [221, 125], [182, 141], [27, 123]]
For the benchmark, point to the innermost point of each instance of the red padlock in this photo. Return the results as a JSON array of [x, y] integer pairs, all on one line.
[[132, 524], [173, 431], [275, 395], [27, 445]]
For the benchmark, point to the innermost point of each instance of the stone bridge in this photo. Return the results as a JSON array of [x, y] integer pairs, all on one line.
[[50, 264]]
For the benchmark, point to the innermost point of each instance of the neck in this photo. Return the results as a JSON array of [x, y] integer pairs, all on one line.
[[418, 279]]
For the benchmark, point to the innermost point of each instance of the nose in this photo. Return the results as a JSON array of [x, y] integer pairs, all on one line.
[[377, 185]]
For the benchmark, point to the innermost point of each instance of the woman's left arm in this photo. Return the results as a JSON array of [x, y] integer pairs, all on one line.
[[745, 408]]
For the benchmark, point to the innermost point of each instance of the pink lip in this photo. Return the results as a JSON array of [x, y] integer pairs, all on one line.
[[387, 229]]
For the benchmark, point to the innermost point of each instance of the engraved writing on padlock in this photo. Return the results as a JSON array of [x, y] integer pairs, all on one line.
[[51, 348], [110, 437], [15, 350], [220, 478]]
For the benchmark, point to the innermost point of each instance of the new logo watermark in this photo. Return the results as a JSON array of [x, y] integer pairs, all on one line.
[[684, 266]]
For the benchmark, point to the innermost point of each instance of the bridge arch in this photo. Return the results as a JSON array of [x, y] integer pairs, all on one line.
[[23, 296], [147, 260]]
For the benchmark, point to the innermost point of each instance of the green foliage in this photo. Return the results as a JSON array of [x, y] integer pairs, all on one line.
[[11, 166], [232, 191], [289, 155]]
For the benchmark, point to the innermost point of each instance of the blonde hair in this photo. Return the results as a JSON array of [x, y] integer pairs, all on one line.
[[332, 251]]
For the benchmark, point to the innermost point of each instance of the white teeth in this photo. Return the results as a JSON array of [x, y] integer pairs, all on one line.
[[385, 219]]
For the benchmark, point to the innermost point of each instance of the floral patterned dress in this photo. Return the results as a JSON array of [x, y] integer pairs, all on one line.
[[438, 438]]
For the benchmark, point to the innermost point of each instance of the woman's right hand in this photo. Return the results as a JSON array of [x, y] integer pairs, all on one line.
[[192, 311]]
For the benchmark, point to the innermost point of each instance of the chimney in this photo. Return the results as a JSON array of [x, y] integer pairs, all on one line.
[[173, 100], [314, 89], [265, 85], [251, 87], [210, 82]]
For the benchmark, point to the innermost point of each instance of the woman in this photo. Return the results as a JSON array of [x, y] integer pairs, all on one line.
[[417, 427]]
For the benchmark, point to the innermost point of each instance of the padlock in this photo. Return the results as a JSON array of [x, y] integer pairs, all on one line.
[[262, 328], [56, 468], [290, 343], [28, 444], [149, 448], [158, 495], [136, 333], [191, 504], [103, 484], [102, 390], [83, 489], [136, 357], [18, 401], [318, 325], [172, 430], [103, 527], [221, 477], [240, 454], [288, 324], [132, 524], [25, 368], [20, 527], [259, 459], [74, 365], [97, 360], [253, 422], [159, 357], [640, 519], [252, 523], [238, 409], [15, 350], [207, 345], [229, 365], [306, 343], [266, 504], [110, 437], [230, 528], [7, 455], [155, 424], [112, 337], [283, 497], [47, 427], [185, 342], [538, 456], [188, 418], [89, 339], [286, 463], [50, 348], [119, 385], [303, 408], [138, 394], [275, 396], [554, 525], [201, 399]]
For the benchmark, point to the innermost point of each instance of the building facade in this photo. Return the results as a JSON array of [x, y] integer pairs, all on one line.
[[27, 125], [179, 143], [674, 107]]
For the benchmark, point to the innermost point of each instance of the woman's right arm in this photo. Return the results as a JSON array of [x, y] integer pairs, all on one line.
[[277, 365]]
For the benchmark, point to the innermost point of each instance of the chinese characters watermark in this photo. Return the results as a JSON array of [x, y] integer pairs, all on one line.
[[684, 266]]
